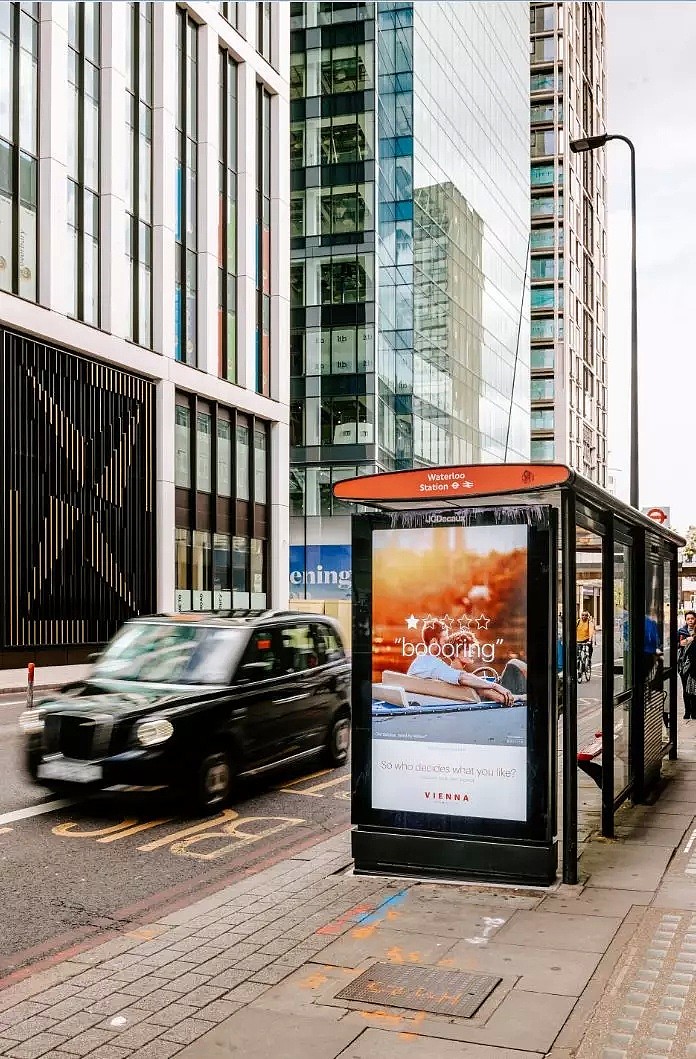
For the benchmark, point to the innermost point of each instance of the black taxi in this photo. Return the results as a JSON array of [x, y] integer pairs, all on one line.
[[195, 703]]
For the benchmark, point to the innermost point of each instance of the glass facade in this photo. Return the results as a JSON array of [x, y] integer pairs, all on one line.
[[84, 82], [227, 222], [222, 506], [19, 122], [186, 282], [263, 240], [409, 234], [139, 171]]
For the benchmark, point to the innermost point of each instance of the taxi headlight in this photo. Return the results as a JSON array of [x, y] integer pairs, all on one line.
[[156, 730], [31, 722]]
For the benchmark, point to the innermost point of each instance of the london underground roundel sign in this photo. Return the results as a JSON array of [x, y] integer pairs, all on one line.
[[657, 514]]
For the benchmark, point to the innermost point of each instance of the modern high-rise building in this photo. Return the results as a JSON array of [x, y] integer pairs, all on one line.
[[409, 232], [144, 240], [568, 242]]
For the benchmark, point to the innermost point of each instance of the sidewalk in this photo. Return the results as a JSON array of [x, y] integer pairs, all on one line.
[[15, 680], [604, 970]]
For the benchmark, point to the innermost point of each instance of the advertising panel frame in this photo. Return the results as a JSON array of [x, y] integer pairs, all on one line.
[[417, 843]]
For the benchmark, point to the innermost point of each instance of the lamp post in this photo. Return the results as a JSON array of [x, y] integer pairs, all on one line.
[[591, 143]]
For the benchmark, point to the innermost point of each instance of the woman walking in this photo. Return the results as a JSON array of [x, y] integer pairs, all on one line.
[[686, 664]]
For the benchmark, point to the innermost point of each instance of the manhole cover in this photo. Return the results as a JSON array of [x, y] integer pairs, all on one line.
[[421, 989]]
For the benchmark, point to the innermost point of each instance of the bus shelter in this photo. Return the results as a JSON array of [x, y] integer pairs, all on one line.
[[468, 585]]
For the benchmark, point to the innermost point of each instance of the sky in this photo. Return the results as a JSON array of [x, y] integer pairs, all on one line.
[[651, 98]]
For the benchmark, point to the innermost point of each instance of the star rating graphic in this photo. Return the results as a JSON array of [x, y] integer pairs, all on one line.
[[464, 624]]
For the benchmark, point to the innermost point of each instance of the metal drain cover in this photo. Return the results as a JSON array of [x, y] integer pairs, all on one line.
[[421, 989]]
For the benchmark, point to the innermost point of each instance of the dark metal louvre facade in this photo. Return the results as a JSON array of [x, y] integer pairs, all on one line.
[[77, 493]]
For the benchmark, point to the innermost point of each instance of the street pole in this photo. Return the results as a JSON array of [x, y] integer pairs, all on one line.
[[580, 146], [634, 488]]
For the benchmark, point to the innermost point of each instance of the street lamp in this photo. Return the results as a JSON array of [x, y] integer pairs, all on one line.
[[591, 143]]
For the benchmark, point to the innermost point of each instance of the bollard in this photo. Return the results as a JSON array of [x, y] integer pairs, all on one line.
[[30, 686]]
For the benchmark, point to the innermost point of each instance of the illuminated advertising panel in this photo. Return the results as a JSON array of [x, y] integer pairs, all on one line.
[[449, 671]]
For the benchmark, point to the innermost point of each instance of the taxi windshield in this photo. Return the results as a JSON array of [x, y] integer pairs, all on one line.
[[169, 653]]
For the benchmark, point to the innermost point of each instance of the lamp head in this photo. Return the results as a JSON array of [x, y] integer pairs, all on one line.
[[588, 143]]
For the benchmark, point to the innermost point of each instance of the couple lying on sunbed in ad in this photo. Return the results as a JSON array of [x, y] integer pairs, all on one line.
[[429, 675]]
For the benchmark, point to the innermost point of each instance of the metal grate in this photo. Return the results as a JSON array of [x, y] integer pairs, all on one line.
[[421, 989]]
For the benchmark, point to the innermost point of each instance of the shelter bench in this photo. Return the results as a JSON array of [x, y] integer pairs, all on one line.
[[587, 759]]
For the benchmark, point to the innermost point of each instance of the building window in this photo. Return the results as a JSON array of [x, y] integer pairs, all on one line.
[[543, 206], [84, 74], [182, 552], [544, 298], [543, 143], [186, 190], [541, 175], [541, 390], [228, 10], [19, 116], [204, 430], [543, 49], [542, 19], [346, 69], [546, 82], [543, 329], [543, 267], [227, 213], [542, 357], [260, 466], [542, 238], [242, 461], [263, 248], [182, 440], [264, 35], [543, 112], [224, 457], [541, 450], [542, 419], [139, 172]]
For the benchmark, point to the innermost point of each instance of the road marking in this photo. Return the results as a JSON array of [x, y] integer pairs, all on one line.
[[311, 792], [689, 844], [36, 810]]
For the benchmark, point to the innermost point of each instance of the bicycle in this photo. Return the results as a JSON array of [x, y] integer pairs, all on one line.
[[584, 663]]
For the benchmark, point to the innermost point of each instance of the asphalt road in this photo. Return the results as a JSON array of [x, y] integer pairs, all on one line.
[[114, 860], [71, 873]]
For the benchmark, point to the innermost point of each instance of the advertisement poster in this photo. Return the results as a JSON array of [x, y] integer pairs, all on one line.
[[449, 671], [320, 571]]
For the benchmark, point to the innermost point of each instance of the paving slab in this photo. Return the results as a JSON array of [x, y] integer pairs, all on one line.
[[625, 866], [595, 901], [560, 931], [450, 919], [540, 970], [385, 943], [376, 1044], [251, 1034]]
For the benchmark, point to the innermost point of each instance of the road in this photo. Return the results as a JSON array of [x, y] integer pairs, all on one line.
[[72, 872], [75, 871]]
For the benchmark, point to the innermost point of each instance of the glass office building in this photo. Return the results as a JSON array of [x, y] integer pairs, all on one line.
[[409, 233]]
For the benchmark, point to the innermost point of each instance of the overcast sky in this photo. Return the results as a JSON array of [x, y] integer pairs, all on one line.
[[651, 92]]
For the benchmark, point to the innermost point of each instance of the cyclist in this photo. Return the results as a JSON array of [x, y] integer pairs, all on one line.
[[585, 634]]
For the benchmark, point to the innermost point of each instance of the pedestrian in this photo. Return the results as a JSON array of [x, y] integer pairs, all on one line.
[[686, 663]]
